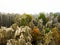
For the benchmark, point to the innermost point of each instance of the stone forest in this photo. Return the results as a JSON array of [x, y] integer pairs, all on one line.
[[30, 29]]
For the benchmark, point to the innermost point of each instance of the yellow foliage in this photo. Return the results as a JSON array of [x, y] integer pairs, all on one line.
[[56, 34]]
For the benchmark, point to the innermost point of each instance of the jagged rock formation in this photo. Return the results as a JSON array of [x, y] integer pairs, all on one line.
[[27, 30]]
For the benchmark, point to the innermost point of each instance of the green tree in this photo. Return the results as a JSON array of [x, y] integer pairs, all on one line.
[[47, 30], [23, 20], [55, 14], [42, 16]]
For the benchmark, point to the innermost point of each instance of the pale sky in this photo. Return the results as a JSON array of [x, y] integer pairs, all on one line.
[[29, 6]]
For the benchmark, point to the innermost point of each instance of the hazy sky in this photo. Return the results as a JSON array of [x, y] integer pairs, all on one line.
[[29, 6]]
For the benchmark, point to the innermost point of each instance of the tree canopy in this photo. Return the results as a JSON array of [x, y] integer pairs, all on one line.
[[42, 16]]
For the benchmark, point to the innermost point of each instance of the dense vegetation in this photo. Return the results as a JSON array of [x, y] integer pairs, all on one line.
[[29, 29]]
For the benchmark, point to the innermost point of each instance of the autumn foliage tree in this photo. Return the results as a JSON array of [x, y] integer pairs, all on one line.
[[36, 34]]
